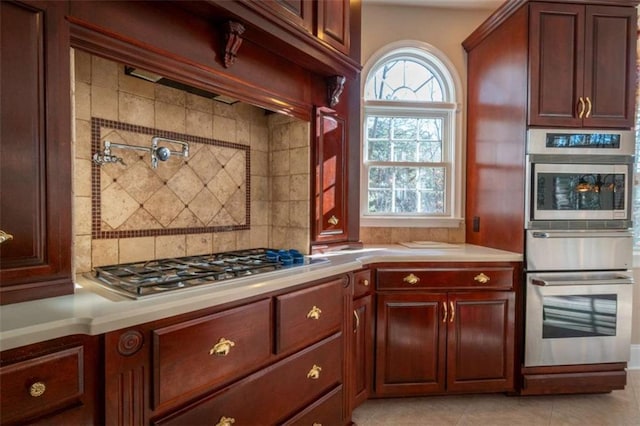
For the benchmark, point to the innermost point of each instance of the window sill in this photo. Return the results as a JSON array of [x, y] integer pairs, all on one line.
[[410, 222]]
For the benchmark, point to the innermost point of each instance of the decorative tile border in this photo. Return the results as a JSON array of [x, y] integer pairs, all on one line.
[[96, 218]]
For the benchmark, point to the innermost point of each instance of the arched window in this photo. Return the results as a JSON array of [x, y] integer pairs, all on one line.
[[411, 170]]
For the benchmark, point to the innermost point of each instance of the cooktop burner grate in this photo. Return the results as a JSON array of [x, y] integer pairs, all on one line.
[[139, 279]]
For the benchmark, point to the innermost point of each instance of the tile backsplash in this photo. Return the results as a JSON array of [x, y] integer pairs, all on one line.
[[245, 182]]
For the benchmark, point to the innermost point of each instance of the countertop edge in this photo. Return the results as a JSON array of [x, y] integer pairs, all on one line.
[[93, 311]]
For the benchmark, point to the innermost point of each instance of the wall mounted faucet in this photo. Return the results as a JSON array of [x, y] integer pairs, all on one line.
[[158, 153]]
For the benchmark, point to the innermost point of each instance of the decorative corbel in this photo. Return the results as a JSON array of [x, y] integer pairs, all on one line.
[[233, 32], [335, 86]]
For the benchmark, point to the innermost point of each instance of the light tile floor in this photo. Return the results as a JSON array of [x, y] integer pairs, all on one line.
[[618, 408]]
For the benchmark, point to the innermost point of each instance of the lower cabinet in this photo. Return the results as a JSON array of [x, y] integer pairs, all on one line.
[[278, 359], [432, 338], [51, 383]]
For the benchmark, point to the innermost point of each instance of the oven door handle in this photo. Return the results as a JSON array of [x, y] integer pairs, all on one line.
[[583, 234], [544, 283]]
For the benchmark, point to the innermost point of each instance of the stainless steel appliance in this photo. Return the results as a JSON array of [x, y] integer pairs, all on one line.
[[578, 247], [579, 180], [139, 279]]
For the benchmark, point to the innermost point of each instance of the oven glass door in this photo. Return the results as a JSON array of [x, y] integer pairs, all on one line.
[[577, 318], [580, 191]]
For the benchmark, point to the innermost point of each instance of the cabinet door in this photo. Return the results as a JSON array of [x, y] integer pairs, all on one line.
[[362, 349], [410, 344], [609, 74], [35, 154], [480, 345], [556, 58], [333, 24], [330, 221], [299, 12]]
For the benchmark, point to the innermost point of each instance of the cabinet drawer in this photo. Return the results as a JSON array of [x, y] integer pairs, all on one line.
[[326, 411], [490, 278], [308, 315], [208, 351], [272, 395], [362, 283], [41, 385]]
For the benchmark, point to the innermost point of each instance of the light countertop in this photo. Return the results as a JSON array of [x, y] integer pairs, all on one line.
[[94, 310]]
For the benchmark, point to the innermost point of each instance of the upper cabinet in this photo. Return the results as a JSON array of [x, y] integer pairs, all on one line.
[[35, 152], [582, 65], [333, 24], [330, 219]]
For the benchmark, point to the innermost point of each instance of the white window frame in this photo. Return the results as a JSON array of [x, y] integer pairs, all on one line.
[[453, 148]]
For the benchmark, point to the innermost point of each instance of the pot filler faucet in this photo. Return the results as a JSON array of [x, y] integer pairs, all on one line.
[[161, 153]]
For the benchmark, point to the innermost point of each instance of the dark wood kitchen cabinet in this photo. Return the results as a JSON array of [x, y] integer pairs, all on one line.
[[445, 329], [208, 367], [361, 356], [35, 152], [51, 383], [582, 65], [330, 183], [529, 64]]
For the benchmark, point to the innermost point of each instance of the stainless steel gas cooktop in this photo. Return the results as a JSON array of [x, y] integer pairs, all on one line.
[[139, 279]]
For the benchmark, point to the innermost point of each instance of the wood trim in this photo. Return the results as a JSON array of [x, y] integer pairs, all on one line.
[[101, 42]]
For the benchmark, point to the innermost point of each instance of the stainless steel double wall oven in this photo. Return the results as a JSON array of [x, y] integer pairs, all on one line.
[[578, 247]]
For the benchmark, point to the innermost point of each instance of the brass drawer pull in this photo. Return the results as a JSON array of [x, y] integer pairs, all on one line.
[[333, 220], [588, 114], [314, 373], [481, 278], [582, 107], [5, 237], [411, 279], [226, 421], [222, 348], [314, 313], [444, 311], [453, 311], [37, 389]]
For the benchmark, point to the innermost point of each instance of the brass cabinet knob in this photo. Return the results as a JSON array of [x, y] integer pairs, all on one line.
[[314, 313], [222, 348], [411, 279], [481, 278], [333, 220], [226, 421], [314, 373], [365, 283], [5, 237], [37, 389]]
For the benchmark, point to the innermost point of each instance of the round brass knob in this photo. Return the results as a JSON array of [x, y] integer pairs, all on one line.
[[37, 389], [365, 283]]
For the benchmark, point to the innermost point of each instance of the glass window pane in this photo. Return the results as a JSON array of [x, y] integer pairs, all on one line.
[[379, 151], [431, 202], [380, 201], [380, 177], [405, 128], [430, 129], [430, 152], [406, 177], [406, 201], [404, 151], [404, 79], [378, 127]]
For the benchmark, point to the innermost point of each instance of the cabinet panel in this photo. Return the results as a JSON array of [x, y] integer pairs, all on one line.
[[481, 341], [362, 284], [556, 48], [326, 411], [362, 349], [307, 315], [208, 351], [35, 154], [410, 344], [610, 41], [267, 396], [330, 224], [41, 385], [333, 24], [481, 278], [299, 12]]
